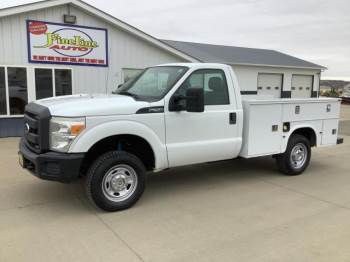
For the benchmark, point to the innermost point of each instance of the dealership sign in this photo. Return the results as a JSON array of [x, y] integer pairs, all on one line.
[[55, 43]]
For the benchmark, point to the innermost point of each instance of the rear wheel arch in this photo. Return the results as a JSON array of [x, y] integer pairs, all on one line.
[[307, 132]]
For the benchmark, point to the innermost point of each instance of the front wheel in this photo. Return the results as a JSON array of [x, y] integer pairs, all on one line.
[[115, 181], [297, 156]]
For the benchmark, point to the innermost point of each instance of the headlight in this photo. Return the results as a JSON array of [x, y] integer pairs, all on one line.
[[63, 131]]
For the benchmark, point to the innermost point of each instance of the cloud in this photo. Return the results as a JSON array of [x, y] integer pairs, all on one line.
[[314, 30]]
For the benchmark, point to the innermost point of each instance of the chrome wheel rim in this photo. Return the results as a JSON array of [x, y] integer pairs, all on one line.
[[298, 156], [119, 183]]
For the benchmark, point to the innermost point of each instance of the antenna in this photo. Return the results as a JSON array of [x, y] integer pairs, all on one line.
[[108, 70]]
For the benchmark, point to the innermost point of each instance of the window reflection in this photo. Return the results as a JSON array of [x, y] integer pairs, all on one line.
[[43, 83], [17, 84], [213, 82], [2, 92], [63, 82]]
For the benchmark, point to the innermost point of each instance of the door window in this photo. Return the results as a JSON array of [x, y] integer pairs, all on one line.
[[17, 86], [213, 81], [3, 104], [43, 83]]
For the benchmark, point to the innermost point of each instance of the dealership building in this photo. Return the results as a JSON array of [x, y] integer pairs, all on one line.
[[62, 47]]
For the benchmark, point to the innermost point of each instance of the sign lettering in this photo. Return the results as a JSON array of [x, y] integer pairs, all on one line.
[[66, 44]]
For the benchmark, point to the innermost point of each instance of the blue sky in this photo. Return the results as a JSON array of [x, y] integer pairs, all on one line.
[[315, 30]]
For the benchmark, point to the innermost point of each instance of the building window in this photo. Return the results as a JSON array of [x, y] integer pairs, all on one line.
[[48, 82], [43, 83], [17, 86], [63, 82], [52, 82], [3, 104]]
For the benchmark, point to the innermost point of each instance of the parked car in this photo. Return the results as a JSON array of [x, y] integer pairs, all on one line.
[[346, 94], [170, 115]]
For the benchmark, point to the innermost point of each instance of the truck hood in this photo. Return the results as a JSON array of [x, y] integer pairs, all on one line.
[[92, 105]]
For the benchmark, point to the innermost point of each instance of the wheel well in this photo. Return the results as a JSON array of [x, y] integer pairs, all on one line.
[[307, 132], [129, 143]]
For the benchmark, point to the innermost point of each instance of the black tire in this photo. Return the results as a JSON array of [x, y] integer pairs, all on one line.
[[284, 161], [100, 170]]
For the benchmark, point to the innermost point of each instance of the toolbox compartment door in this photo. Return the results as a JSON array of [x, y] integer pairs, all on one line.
[[329, 132]]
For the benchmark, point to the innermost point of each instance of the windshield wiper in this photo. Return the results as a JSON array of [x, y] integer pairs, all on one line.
[[126, 93]]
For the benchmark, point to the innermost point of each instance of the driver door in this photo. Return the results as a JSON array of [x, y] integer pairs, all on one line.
[[195, 137]]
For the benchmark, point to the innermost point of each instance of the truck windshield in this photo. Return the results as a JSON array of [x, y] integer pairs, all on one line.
[[153, 83]]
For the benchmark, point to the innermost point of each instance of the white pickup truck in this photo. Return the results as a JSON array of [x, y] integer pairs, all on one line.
[[169, 115]]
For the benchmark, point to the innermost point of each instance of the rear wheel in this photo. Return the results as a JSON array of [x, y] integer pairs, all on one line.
[[297, 156], [115, 181]]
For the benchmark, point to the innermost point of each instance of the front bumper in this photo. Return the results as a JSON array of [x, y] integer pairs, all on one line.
[[61, 167]]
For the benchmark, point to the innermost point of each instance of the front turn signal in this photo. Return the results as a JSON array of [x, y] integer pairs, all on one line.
[[77, 129]]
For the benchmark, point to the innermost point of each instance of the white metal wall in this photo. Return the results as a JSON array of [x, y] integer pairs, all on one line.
[[125, 50], [248, 76]]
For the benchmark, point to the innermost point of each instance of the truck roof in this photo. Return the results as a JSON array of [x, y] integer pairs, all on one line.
[[199, 65]]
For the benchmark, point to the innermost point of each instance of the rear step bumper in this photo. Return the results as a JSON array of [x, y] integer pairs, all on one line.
[[340, 140]]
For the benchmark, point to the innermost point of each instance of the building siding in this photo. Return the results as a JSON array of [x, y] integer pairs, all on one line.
[[125, 49], [247, 76], [11, 127]]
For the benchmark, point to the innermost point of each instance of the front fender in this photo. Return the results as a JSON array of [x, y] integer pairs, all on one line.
[[121, 127]]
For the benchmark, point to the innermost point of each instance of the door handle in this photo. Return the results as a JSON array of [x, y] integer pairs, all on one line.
[[233, 118]]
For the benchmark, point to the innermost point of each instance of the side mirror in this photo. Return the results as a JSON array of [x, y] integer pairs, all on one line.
[[195, 99]]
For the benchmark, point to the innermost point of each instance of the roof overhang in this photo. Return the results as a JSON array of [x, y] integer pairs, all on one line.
[[279, 66], [102, 15]]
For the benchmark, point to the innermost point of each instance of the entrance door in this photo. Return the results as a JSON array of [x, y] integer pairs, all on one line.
[[206, 136]]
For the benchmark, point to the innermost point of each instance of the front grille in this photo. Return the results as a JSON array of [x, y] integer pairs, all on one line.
[[31, 129], [36, 127]]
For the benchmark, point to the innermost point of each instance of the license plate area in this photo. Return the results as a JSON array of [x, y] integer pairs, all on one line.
[[21, 160], [25, 163]]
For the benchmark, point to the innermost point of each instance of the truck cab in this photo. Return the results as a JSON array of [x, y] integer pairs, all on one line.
[[169, 115]]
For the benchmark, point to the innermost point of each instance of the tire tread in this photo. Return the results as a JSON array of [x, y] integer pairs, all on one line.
[[118, 156], [282, 160]]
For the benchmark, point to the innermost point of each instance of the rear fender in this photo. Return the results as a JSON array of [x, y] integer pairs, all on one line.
[[316, 126]]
